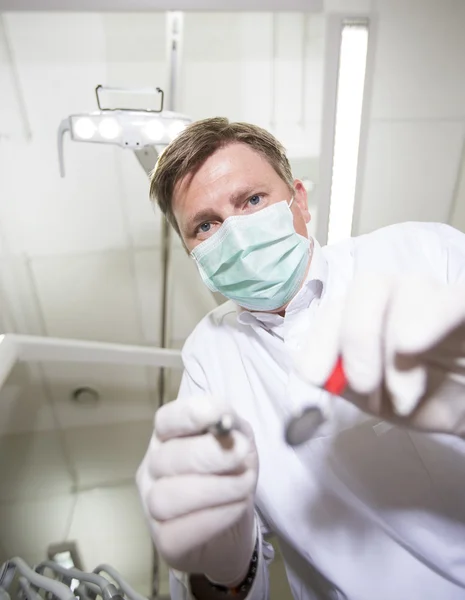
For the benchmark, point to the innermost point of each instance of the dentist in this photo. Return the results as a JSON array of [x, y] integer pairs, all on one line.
[[374, 505]]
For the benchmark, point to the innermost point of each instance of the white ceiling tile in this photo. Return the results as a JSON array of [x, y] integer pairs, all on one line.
[[46, 215], [20, 302], [142, 218], [10, 115], [110, 528], [27, 528], [108, 454], [348, 6], [190, 300], [23, 404], [229, 34], [148, 272], [89, 297], [418, 71], [32, 466], [410, 173], [123, 390], [122, 45], [71, 37], [314, 65]]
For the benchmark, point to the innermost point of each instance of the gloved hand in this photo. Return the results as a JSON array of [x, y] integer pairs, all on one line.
[[402, 343], [198, 490]]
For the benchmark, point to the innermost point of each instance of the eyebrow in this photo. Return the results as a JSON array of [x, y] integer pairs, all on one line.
[[209, 214]]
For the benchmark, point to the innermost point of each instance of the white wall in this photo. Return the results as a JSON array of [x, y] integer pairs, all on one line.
[[416, 113]]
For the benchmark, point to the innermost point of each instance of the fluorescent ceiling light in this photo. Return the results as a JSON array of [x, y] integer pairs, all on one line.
[[350, 87]]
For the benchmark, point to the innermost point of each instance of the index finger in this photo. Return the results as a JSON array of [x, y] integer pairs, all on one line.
[[188, 416]]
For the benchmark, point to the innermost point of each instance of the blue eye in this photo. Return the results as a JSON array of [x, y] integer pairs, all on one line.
[[205, 227], [255, 200]]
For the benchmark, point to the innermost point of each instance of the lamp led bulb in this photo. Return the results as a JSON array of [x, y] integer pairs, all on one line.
[[176, 128], [154, 130], [109, 128], [84, 128]]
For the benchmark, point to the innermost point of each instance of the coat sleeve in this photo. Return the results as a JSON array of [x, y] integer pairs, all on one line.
[[452, 248], [194, 381]]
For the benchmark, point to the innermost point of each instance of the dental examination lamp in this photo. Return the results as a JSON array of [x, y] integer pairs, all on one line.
[[145, 131], [137, 130]]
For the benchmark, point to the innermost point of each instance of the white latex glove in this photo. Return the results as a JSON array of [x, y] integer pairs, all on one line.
[[402, 342], [198, 490]]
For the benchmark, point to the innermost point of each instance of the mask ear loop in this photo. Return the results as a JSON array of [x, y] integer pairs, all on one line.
[[292, 200]]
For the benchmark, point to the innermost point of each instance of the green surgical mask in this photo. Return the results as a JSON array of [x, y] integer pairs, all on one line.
[[258, 260]]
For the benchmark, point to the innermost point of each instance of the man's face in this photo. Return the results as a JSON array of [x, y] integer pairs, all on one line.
[[235, 180]]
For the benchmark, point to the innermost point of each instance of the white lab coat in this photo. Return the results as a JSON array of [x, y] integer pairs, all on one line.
[[364, 511]]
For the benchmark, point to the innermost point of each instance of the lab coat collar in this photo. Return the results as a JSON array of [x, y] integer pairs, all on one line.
[[313, 287]]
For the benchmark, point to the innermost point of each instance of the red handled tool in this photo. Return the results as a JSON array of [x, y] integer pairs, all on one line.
[[337, 381]]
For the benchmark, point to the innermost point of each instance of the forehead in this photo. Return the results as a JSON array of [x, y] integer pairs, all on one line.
[[230, 167]]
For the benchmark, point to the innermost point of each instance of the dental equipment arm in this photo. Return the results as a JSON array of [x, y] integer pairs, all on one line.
[[39, 581], [107, 590]]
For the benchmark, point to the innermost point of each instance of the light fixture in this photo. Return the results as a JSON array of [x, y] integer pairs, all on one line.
[[176, 128], [127, 128], [154, 130], [85, 396], [350, 88]]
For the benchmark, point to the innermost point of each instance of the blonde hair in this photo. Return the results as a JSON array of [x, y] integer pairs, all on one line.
[[186, 154]]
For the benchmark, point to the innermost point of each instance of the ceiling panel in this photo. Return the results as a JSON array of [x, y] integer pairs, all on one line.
[[418, 71], [410, 173], [60, 58], [142, 219], [189, 299], [147, 266], [123, 391], [349, 6], [33, 466], [18, 295], [42, 214], [108, 454], [90, 296], [23, 404]]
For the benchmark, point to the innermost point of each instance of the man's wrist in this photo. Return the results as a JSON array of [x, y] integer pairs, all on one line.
[[204, 589]]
